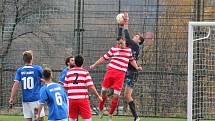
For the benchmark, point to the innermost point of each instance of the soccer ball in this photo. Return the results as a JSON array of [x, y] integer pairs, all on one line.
[[119, 18]]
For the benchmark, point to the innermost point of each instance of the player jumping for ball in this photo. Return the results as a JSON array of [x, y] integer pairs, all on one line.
[[119, 57], [132, 73]]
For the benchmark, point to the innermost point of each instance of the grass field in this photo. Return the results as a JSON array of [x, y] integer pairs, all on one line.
[[95, 118]]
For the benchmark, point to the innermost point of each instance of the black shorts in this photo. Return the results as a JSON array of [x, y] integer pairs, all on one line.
[[131, 77]]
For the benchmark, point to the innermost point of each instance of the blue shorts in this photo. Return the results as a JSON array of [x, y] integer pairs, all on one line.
[[130, 78]]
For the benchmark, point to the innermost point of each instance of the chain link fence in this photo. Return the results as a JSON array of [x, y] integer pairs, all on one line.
[[55, 29]]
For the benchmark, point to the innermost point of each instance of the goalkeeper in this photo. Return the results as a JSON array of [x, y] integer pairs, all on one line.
[[132, 73], [119, 57]]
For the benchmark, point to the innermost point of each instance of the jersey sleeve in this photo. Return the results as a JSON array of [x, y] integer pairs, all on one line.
[[62, 76], [18, 75], [40, 70], [129, 41], [119, 33], [131, 58], [108, 54], [43, 96], [89, 81], [66, 82]]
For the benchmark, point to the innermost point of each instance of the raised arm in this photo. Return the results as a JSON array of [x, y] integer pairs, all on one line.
[[98, 62], [129, 41], [107, 56], [119, 32]]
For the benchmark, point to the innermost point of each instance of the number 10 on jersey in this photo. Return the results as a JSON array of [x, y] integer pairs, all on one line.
[[28, 82]]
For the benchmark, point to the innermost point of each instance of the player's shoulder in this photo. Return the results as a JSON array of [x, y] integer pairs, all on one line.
[[65, 69], [79, 69], [19, 68], [127, 49], [43, 88], [53, 85], [57, 84], [37, 67]]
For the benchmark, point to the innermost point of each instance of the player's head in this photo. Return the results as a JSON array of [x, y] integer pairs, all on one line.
[[138, 38], [70, 61], [122, 42], [27, 56], [79, 60], [47, 74]]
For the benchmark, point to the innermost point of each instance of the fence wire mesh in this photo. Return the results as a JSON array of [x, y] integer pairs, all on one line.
[[55, 29]]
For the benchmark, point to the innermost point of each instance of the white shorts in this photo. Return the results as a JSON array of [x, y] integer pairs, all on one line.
[[28, 109]]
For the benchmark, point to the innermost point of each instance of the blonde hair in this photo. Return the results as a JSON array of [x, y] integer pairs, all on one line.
[[47, 73], [27, 56]]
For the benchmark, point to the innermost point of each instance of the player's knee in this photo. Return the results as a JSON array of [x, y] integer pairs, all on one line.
[[104, 93], [127, 95]]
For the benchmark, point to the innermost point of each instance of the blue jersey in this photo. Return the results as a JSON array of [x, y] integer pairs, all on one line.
[[29, 76], [54, 95], [63, 75]]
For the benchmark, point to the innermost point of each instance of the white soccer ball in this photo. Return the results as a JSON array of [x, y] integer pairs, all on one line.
[[119, 18]]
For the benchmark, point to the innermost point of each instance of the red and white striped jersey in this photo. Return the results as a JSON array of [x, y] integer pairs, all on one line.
[[119, 57], [77, 82]]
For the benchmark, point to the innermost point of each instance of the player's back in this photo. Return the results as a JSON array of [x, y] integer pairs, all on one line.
[[30, 78], [77, 82], [120, 57], [135, 52], [57, 101]]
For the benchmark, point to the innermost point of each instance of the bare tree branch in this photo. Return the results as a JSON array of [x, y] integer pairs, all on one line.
[[20, 16]]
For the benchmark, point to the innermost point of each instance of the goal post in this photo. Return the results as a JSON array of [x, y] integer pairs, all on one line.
[[201, 71]]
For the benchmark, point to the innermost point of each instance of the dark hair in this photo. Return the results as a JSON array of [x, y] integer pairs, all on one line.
[[27, 56], [47, 73], [118, 38], [141, 39], [79, 60], [67, 60]]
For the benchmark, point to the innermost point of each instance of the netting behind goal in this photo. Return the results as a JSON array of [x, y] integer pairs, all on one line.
[[201, 74]]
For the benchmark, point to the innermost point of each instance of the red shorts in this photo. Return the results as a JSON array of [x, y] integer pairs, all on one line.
[[114, 79], [79, 106]]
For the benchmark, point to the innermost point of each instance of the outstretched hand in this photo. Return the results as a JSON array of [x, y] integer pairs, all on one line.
[[11, 101], [126, 18], [92, 66], [140, 68]]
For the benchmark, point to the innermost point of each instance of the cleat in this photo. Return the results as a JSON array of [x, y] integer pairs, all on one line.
[[101, 113], [110, 117], [137, 119]]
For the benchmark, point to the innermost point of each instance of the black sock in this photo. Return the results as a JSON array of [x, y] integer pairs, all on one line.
[[132, 108]]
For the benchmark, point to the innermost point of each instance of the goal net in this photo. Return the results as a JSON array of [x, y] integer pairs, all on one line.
[[201, 71]]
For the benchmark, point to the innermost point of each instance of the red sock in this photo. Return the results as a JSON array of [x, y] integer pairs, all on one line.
[[102, 104], [113, 105]]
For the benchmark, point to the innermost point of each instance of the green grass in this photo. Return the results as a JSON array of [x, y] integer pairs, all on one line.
[[95, 118]]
